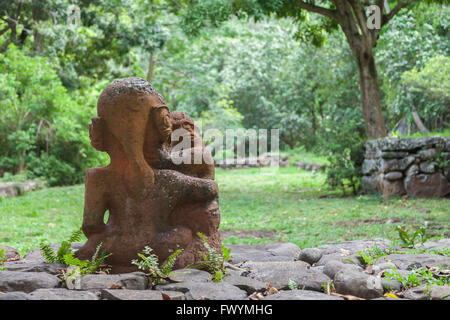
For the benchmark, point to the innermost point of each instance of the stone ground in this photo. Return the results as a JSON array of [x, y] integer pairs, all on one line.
[[256, 272]]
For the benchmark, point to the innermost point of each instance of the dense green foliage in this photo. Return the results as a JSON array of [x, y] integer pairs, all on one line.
[[256, 70]]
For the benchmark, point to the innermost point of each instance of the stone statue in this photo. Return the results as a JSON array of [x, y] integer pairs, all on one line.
[[151, 201]]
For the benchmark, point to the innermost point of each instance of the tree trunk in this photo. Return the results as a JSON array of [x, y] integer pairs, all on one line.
[[370, 94]]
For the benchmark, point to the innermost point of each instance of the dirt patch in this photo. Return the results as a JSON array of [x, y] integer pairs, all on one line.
[[249, 233]]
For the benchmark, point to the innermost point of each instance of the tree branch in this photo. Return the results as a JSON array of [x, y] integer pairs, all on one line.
[[400, 5], [320, 10]]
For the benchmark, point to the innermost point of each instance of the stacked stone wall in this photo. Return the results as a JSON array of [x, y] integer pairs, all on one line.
[[417, 167]]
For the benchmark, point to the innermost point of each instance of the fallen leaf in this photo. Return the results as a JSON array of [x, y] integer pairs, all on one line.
[[272, 290], [391, 295], [116, 286], [165, 296]]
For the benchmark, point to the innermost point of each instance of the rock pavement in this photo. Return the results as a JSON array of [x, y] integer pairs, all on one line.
[[277, 271]]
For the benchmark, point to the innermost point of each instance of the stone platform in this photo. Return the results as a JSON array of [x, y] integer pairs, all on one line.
[[255, 272]]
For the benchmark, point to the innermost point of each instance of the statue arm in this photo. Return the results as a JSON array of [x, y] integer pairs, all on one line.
[[195, 189], [94, 205]]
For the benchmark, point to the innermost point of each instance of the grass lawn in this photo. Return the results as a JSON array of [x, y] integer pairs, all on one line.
[[257, 206]]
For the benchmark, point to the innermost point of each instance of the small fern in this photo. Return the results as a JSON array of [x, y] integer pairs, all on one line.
[[47, 253], [66, 248], [150, 263], [212, 261]]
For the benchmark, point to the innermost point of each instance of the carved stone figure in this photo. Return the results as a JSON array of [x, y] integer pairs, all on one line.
[[150, 201]]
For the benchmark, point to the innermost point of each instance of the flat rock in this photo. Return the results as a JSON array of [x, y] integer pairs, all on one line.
[[358, 284], [279, 274], [310, 255], [247, 284], [62, 294], [205, 290], [190, 275], [125, 294], [27, 281], [333, 266], [15, 295], [264, 252], [427, 185], [174, 295], [10, 253], [433, 292], [34, 266], [341, 257], [354, 246], [395, 175], [435, 245], [301, 295], [131, 281], [409, 261]]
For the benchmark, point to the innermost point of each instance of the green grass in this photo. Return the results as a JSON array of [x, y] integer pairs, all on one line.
[[443, 134], [292, 204]]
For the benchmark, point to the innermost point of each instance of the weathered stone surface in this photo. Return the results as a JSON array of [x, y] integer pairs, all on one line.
[[174, 295], [358, 284], [152, 200], [432, 292], [62, 294], [380, 266], [333, 266], [342, 257], [428, 154], [125, 294], [191, 275], [427, 185], [131, 281], [247, 284], [390, 285], [409, 261], [394, 154], [278, 274], [370, 166], [301, 295], [310, 255], [264, 252], [396, 164], [395, 144], [435, 245], [391, 188], [395, 175], [205, 290], [15, 295], [34, 266], [27, 281], [13, 189], [35, 255], [369, 184], [428, 167], [10, 253], [354, 246]]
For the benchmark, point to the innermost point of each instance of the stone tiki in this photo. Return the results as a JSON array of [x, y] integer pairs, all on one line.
[[150, 200]]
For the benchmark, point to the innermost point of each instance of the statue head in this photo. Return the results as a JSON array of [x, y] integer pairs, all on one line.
[[125, 108], [180, 120]]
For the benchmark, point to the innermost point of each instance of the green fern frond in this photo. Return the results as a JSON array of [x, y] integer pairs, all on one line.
[[167, 266], [47, 253], [76, 236]]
